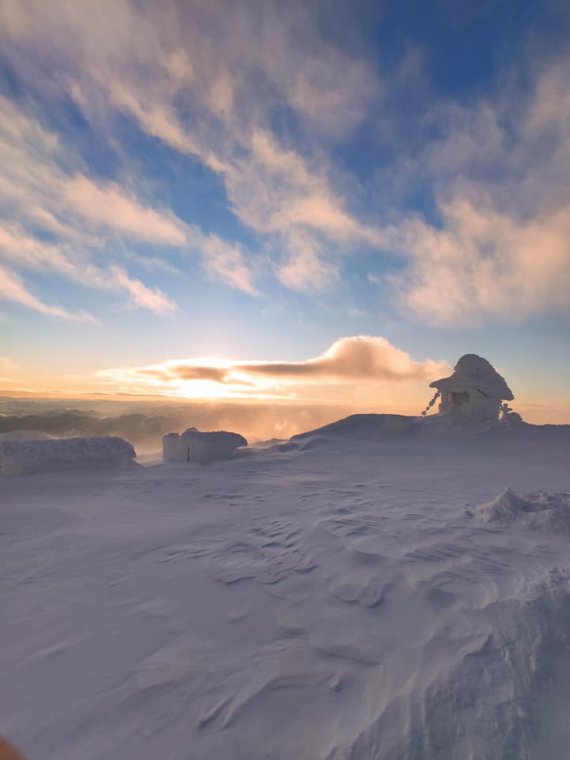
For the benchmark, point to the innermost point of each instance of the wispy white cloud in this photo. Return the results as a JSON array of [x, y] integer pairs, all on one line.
[[226, 262], [13, 289], [306, 268], [213, 80], [71, 210], [21, 251], [207, 80], [501, 169], [486, 263], [64, 218], [141, 295], [106, 205], [24, 251]]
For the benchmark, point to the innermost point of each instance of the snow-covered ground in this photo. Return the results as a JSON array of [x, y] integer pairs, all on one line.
[[358, 596]]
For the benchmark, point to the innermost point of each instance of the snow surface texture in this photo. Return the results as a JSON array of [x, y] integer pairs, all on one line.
[[331, 601], [19, 456], [537, 511]]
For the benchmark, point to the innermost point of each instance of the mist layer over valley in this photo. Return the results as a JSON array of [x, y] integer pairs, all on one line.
[[144, 423]]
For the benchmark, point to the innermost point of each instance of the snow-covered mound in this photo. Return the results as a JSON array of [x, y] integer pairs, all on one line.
[[363, 426], [389, 427], [542, 510], [18, 457]]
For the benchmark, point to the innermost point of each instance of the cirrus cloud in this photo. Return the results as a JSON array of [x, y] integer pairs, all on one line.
[[207, 80], [55, 219], [13, 289], [262, 98]]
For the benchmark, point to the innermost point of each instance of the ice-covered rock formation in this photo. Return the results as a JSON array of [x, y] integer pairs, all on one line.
[[18, 457], [195, 446], [475, 390]]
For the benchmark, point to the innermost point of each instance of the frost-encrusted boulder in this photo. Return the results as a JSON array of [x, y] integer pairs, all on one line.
[[19, 457], [195, 446]]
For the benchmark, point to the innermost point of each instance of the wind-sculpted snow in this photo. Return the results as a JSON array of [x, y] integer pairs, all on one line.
[[362, 426], [32, 454], [342, 602], [536, 511]]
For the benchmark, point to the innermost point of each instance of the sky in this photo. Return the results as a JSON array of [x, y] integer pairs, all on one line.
[[310, 202]]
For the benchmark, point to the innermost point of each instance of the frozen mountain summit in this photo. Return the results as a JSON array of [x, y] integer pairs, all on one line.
[[470, 399]]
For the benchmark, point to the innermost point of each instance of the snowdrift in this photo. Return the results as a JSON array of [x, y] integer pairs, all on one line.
[[536, 511], [437, 427], [360, 426], [18, 457], [484, 699]]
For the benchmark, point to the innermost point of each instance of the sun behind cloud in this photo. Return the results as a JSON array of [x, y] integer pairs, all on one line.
[[360, 360]]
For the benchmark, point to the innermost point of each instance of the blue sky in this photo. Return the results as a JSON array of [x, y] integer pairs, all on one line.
[[253, 181]]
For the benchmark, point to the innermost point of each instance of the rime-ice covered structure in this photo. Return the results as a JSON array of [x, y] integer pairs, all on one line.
[[18, 456], [475, 390], [194, 446]]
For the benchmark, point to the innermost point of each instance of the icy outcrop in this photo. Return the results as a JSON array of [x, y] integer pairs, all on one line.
[[18, 457], [542, 510], [195, 446]]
